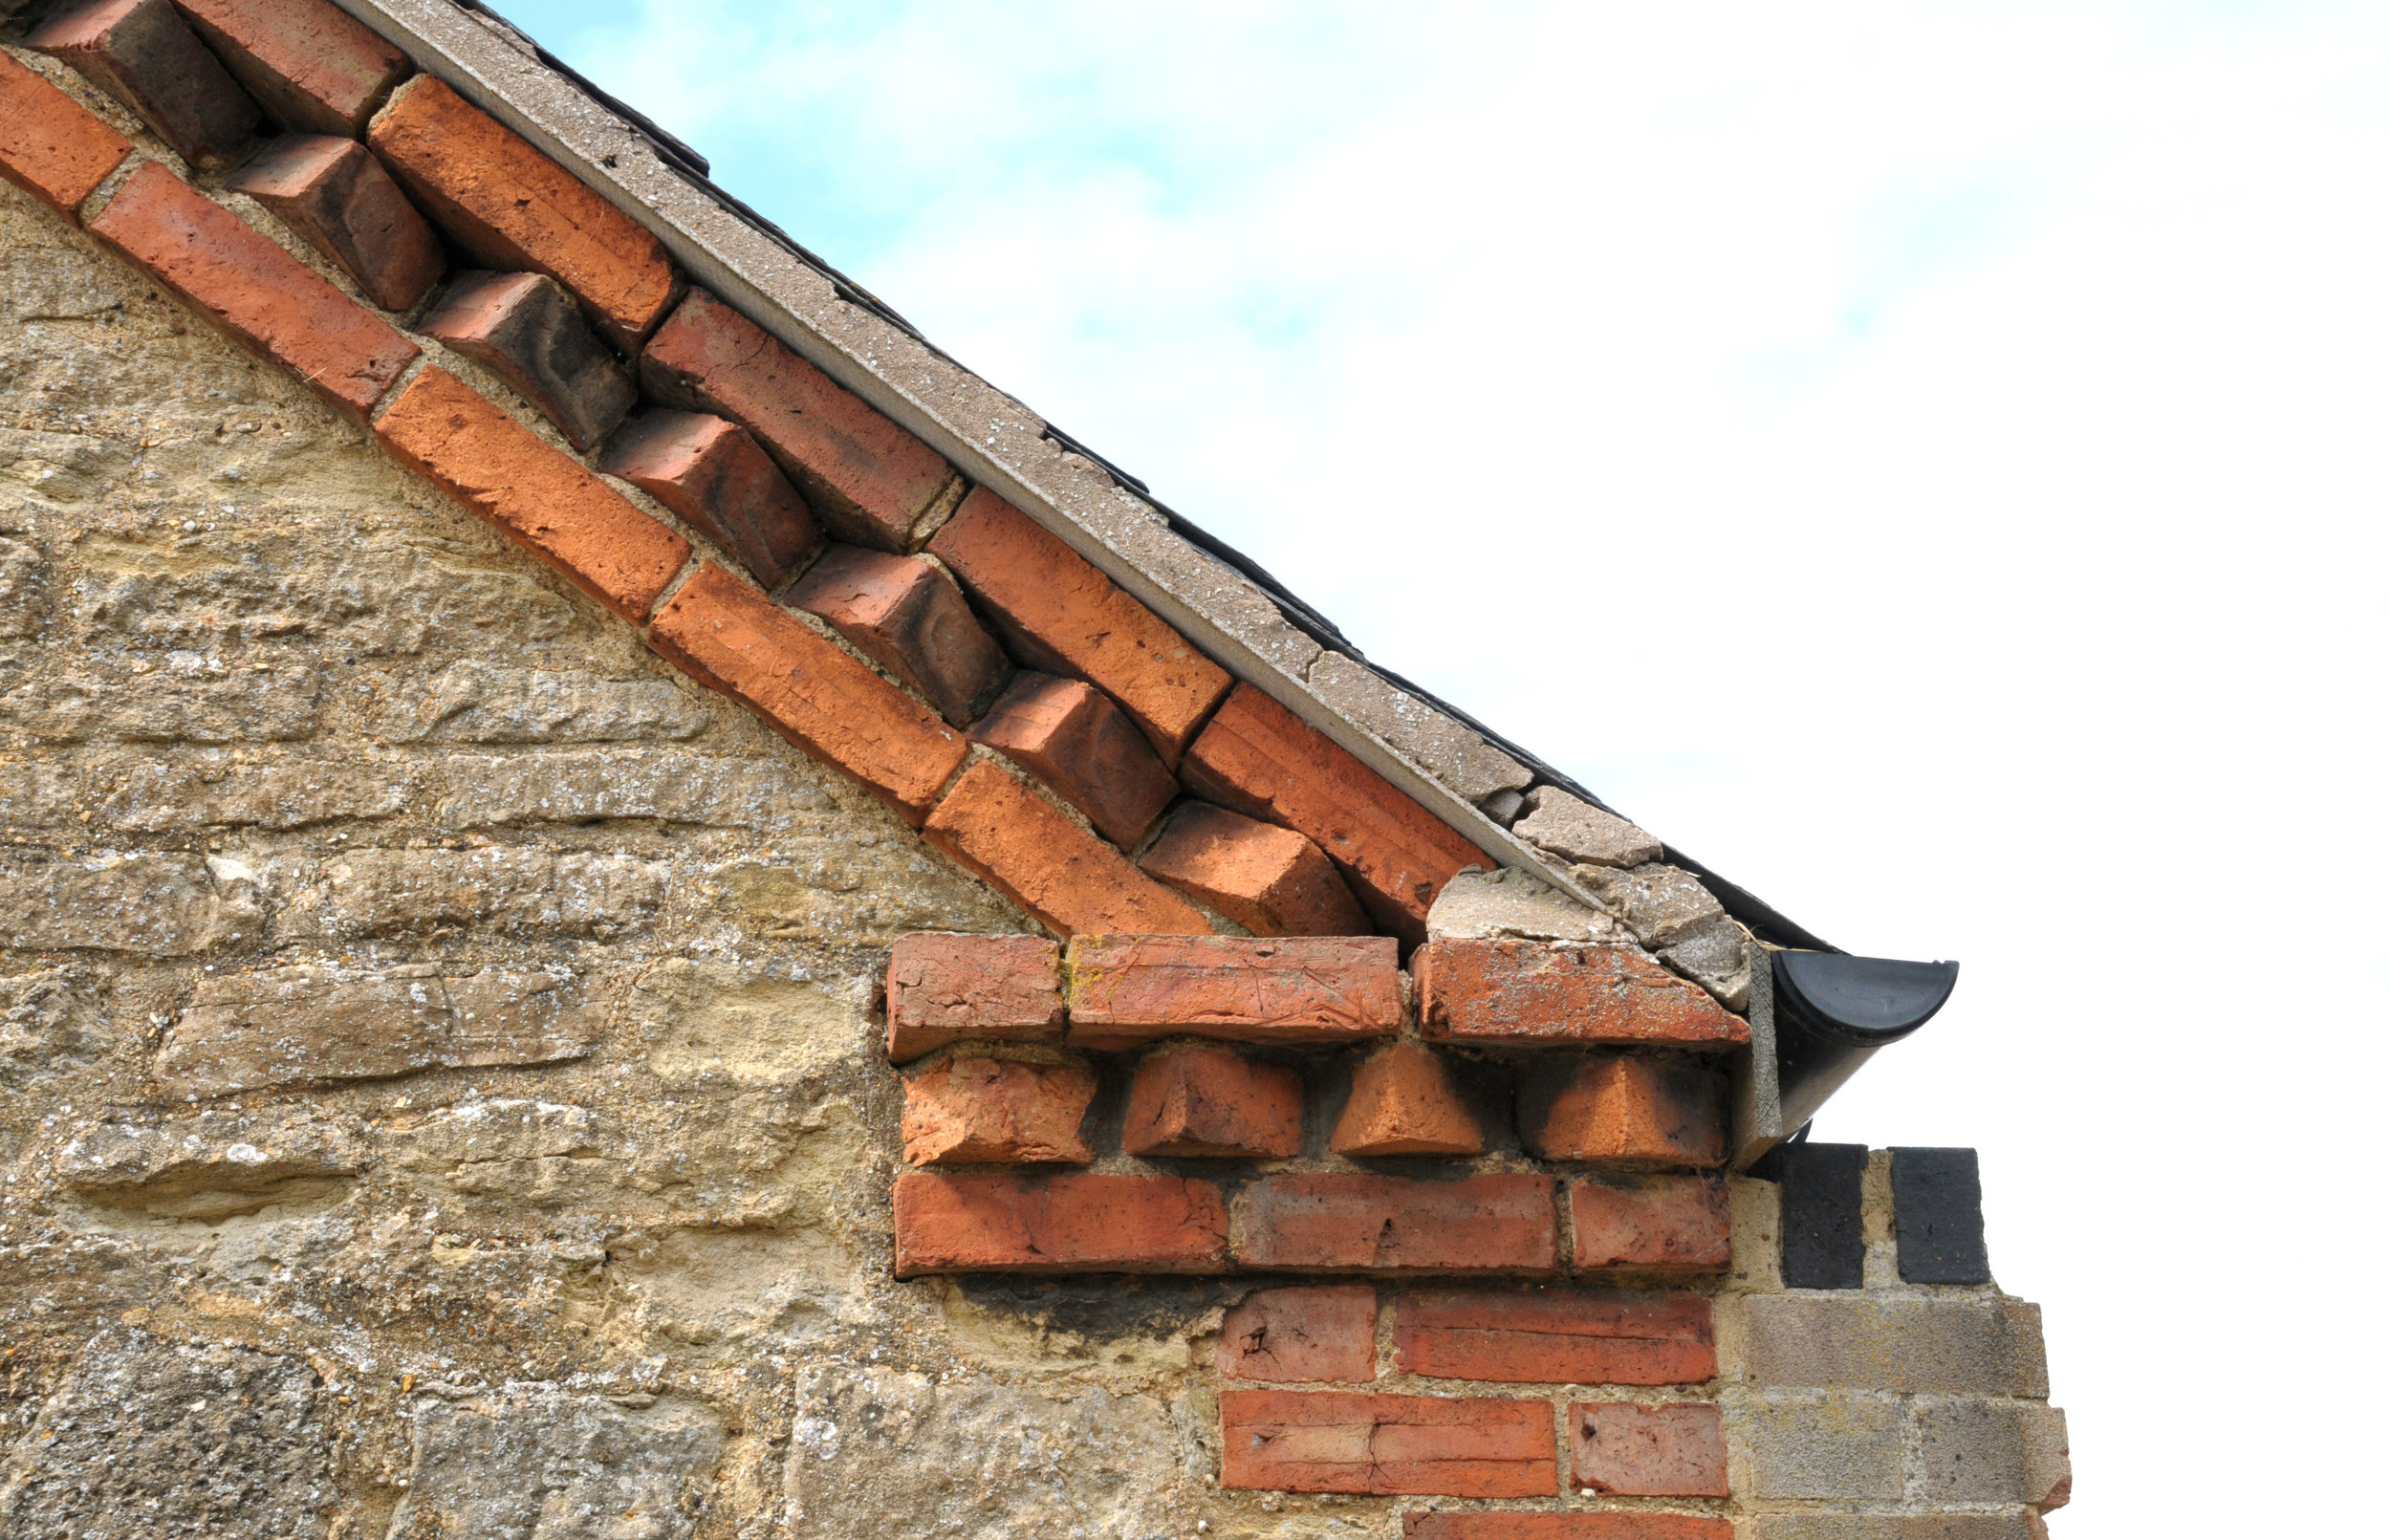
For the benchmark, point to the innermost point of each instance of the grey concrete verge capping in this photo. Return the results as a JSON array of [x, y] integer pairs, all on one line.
[[990, 437]]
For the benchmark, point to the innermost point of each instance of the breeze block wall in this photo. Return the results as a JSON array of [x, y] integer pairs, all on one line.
[[594, 942]]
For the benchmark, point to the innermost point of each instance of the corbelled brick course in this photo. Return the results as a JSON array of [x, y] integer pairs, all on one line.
[[1348, 1442], [1070, 736], [1195, 1100], [815, 694], [144, 53], [51, 144], [545, 499], [335, 196], [869, 482], [1650, 1108], [1047, 864], [1272, 881], [1260, 759], [1320, 1333], [1558, 1336], [514, 209], [308, 63], [526, 328], [1126, 990], [711, 472], [967, 1111], [1402, 1102], [257, 290], [1062, 615], [1530, 992], [1664, 1224], [944, 989], [1495, 1223], [1081, 1222], [910, 618]]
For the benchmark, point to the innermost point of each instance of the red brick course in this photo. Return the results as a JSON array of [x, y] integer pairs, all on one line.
[[1504, 1526], [1269, 879], [814, 693], [1667, 1224], [910, 618], [1128, 988], [1528, 993], [713, 472], [1194, 1100], [141, 53], [1402, 1103], [335, 196], [1661, 1109], [527, 329], [1047, 864], [514, 209], [1353, 1441], [1081, 1222], [312, 66], [1500, 1223], [1070, 736], [965, 1111], [1556, 1336], [1260, 759], [1062, 615], [254, 290], [1327, 1332], [1676, 1450], [51, 144], [869, 482], [944, 989], [445, 429]]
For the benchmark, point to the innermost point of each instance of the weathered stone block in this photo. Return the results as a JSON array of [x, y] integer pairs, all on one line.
[[1561, 825], [1287, 1336], [1822, 1446], [508, 889], [712, 1023], [1511, 904], [472, 702], [525, 1465], [160, 797], [251, 706], [668, 786], [47, 1025], [150, 903], [286, 1026], [1979, 1347]]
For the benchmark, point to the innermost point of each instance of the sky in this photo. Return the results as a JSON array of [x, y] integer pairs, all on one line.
[[1924, 460]]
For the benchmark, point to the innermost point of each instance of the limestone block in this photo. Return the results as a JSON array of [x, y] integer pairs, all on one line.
[[204, 706], [539, 1464], [157, 798], [209, 1168], [1822, 1446], [148, 1436], [494, 1128], [1511, 904], [670, 786], [319, 1023], [1450, 753], [524, 892], [863, 888], [149, 903], [46, 1025], [21, 575], [1983, 1347], [1577, 831], [710, 1023], [481, 703]]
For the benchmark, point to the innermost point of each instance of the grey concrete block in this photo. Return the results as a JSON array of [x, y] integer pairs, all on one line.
[[1822, 1446], [1511, 904], [1717, 956], [1991, 1451], [1897, 1527], [1577, 831], [1979, 1347], [1455, 756]]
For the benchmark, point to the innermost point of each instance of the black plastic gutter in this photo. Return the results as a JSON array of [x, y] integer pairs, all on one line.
[[1762, 917]]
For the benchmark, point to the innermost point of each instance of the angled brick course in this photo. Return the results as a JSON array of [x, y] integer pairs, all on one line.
[[145, 55], [814, 693], [254, 290], [1042, 860], [51, 144], [513, 209], [335, 196], [713, 472], [1260, 759], [524, 328], [1269, 879], [1070, 736], [907, 617], [310, 65]]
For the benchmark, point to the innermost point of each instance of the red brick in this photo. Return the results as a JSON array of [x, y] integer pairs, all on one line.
[[1623, 1450], [1327, 1332], [253, 289], [963, 1110], [1402, 1103], [1062, 615], [1080, 1223], [1671, 1224], [814, 693], [1503, 1526], [1260, 759], [1500, 1223], [1649, 1107], [1269, 879], [501, 470], [524, 328], [1130, 989], [869, 482], [944, 989], [335, 196], [906, 615], [1072, 737], [1528, 993], [312, 66], [1195, 1100], [713, 472], [51, 144], [514, 209], [1047, 864], [1353, 1441], [141, 53], [1556, 1336]]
